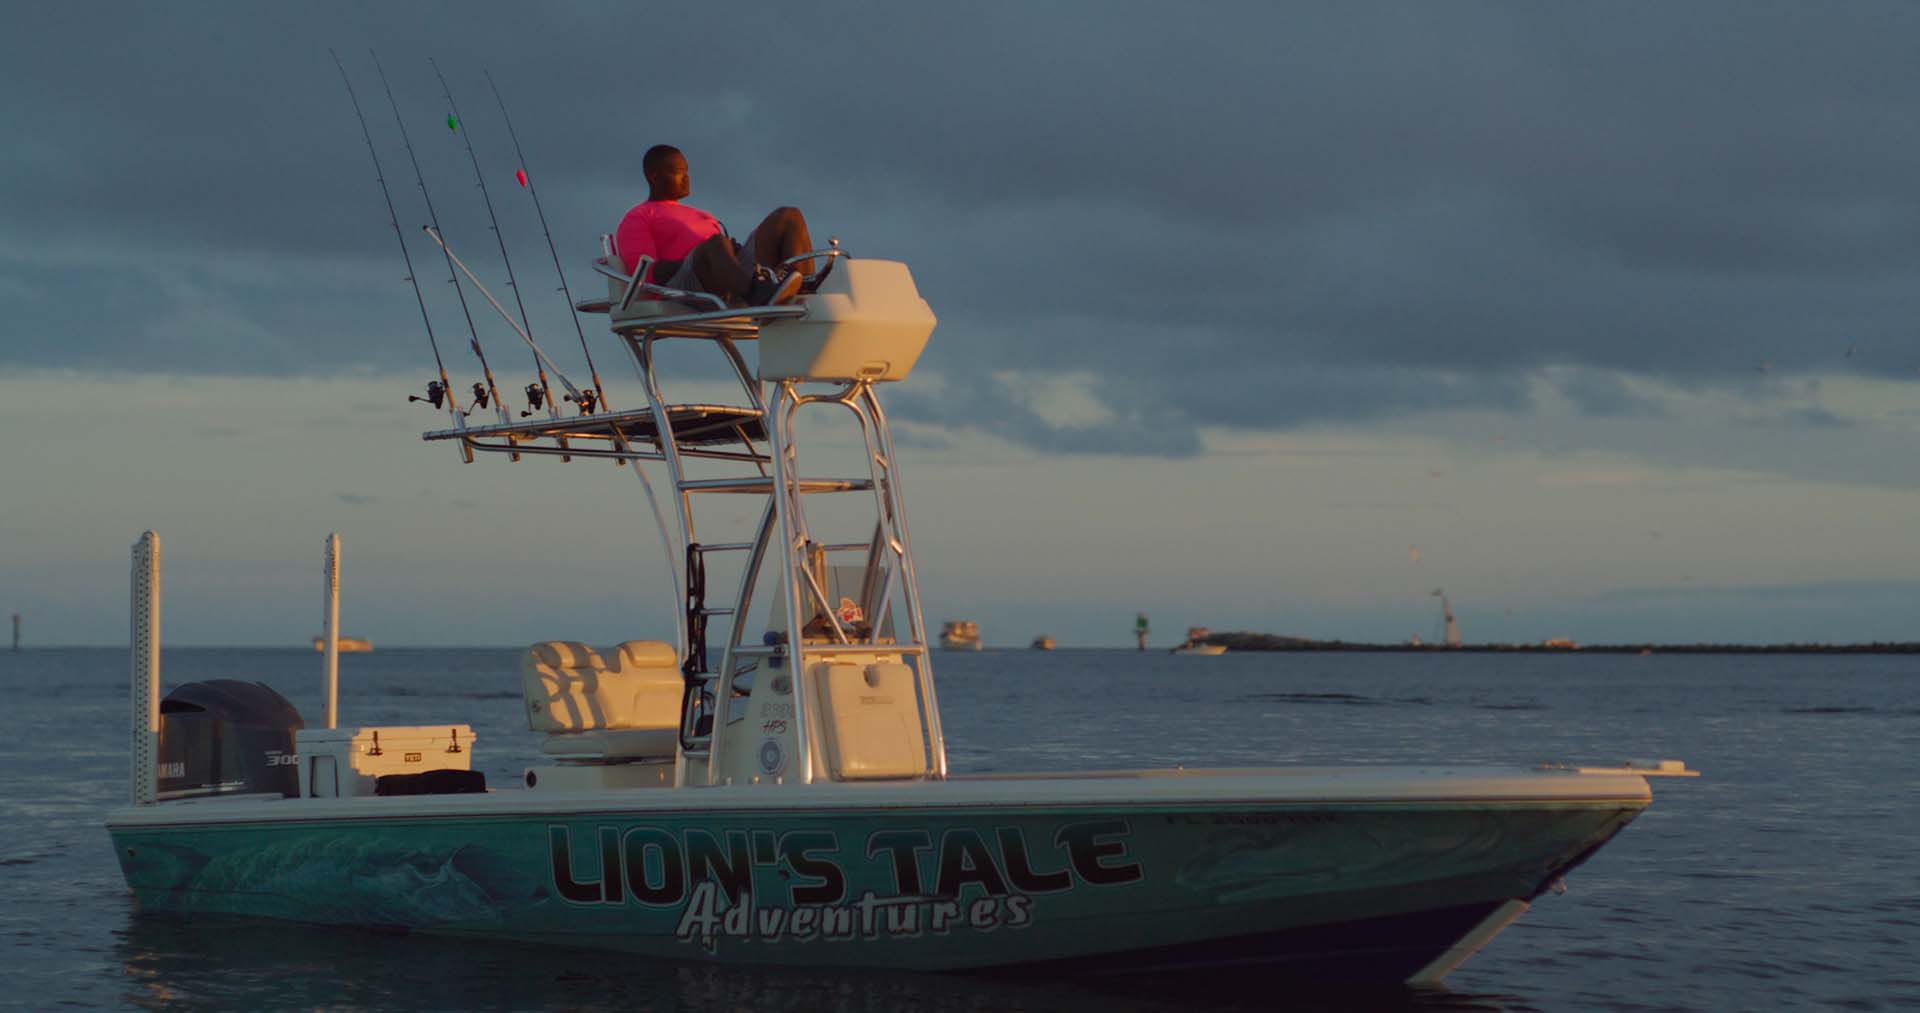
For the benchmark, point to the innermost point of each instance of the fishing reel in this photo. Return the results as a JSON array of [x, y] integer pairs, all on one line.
[[586, 399], [479, 395], [536, 399], [436, 394]]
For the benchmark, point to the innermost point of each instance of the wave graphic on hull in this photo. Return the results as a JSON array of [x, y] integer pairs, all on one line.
[[340, 879]]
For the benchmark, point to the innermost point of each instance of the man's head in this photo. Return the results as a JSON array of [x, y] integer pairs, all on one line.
[[666, 170]]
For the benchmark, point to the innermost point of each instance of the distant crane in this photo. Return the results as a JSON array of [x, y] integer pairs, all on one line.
[[1452, 637]]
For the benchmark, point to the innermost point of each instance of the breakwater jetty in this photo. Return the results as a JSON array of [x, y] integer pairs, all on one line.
[[1245, 641]]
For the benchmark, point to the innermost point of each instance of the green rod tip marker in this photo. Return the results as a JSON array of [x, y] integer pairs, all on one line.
[[452, 124]]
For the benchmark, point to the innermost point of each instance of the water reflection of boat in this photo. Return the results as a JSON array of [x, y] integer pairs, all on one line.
[[792, 805], [347, 644], [1042, 643], [961, 635], [1196, 643]]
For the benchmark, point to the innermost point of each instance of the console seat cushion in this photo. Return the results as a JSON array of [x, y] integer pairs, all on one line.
[[615, 744], [623, 704]]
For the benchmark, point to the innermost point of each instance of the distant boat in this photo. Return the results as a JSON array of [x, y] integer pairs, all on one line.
[[1196, 643], [347, 644], [963, 635], [1043, 643]]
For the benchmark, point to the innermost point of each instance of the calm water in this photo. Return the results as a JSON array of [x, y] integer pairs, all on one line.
[[1786, 877]]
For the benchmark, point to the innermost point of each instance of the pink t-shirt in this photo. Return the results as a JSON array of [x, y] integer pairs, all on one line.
[[663, 230]]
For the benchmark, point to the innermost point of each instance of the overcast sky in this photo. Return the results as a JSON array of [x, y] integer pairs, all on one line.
[[1274, 317]]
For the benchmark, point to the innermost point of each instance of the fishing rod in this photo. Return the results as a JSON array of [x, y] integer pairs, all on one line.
[[443, 392], [539, 354], [544, 394], [490, 390], [599, 392]]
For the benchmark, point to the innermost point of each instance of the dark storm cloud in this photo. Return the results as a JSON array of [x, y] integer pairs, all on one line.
[[979, 401], [1249, 216], [1604, 395], [1798, 418]]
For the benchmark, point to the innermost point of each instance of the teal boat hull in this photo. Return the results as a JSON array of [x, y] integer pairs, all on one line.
[[1314, 890]]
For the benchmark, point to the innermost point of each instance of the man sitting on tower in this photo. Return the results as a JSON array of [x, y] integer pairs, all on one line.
[[692, 252]]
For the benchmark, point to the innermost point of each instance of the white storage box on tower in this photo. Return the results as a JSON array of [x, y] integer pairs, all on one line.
[[343, 762], [867, 322]]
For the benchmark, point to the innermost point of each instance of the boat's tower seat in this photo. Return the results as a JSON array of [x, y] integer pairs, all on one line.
[[623, 706], [631, 298]]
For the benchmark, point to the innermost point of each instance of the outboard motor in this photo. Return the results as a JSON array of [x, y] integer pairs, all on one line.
[[227, 737]]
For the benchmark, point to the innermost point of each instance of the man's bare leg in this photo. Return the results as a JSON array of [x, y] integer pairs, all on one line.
[[781, 235], [719, 269]]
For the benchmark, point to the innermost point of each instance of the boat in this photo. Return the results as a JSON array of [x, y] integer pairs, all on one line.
[[1042, 643], [793, 803], [1196, 643], [963, 635], [347, 645]]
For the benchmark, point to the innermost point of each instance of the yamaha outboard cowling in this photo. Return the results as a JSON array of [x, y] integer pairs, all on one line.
[[224, 736]]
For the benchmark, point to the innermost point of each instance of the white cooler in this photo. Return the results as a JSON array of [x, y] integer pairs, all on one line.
[[343, 762]]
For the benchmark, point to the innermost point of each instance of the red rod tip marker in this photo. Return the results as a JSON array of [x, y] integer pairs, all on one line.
[[521, 175]]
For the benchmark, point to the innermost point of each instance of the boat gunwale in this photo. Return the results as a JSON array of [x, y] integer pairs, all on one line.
[[1170, 792]]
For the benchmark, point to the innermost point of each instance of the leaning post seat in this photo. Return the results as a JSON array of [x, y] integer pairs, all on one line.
[[623, 706], [650, 300], [866, 322]]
